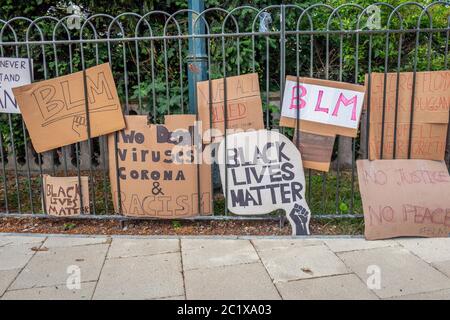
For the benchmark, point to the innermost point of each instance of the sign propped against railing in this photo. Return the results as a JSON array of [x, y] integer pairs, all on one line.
[[263, 172], [64, 196], [55, 110], [322, 106], [404, 198], [243, 111], [390, 115], [156, 171], [14, 72], [320, 110]]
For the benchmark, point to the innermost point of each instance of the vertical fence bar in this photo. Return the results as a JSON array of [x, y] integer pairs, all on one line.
[[5, 183]]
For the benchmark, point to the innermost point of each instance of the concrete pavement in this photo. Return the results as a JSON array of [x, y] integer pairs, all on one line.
[[124, 267]]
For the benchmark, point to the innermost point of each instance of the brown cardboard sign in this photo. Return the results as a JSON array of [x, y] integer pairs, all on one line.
[[158, 170], [63, 196], [324, 107], [316, 150], [430, 118], [404, 198], [54, 110], [244, 107]]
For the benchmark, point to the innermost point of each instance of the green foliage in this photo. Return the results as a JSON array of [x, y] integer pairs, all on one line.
[[69, 226], [176, 224]]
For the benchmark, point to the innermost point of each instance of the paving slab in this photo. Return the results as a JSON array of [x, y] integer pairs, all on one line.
[[429, 249], [60, 292], [293, 263], [58, 242], [435, 295], [443, 266], [402, 273], [11, 239], [145, 277], [6, 278], [352, 244], [244, 281], [16, 256], [347, 286], [275, 244], [122, 247], [199, 253], [49, 268]]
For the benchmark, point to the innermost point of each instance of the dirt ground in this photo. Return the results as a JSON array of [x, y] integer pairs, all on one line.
[[173, 227]]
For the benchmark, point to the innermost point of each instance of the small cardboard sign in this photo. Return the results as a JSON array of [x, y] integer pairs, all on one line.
[[316, 150], [404, 198], [323, 106], [430, 118], [263, 172], [54, 110], [63, 196], [244, 107], [14, 72], [158, 171]]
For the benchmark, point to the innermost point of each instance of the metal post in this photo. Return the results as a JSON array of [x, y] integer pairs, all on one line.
[[197, 59]]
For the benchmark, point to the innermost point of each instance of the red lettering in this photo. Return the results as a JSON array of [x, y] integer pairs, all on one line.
[[319, 100], [298, 102], [346, 102]]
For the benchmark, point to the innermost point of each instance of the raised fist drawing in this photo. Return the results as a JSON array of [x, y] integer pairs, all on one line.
[[78, 124], [299, 216]]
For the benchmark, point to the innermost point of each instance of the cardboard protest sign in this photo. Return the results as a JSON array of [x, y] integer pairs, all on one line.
[[405, 198], [55, 112], [323, 107], [263, 172], [158, 170], [63, 196], [14, 72], [244, 108], [430, 118], [316, 150]]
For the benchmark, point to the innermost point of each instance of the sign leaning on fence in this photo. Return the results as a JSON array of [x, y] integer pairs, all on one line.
[[156, 168], [244, 107], [63, 196], [323, 106], [390, 115], [14, 72], [263, 172], [404, 198], [54, 110], [322, 109]]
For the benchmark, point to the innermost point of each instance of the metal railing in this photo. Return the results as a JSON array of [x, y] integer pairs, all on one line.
[[156, 61]]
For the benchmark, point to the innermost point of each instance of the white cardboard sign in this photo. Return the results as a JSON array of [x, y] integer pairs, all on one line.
[[265, 173], [322, 104], [14, 72]]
